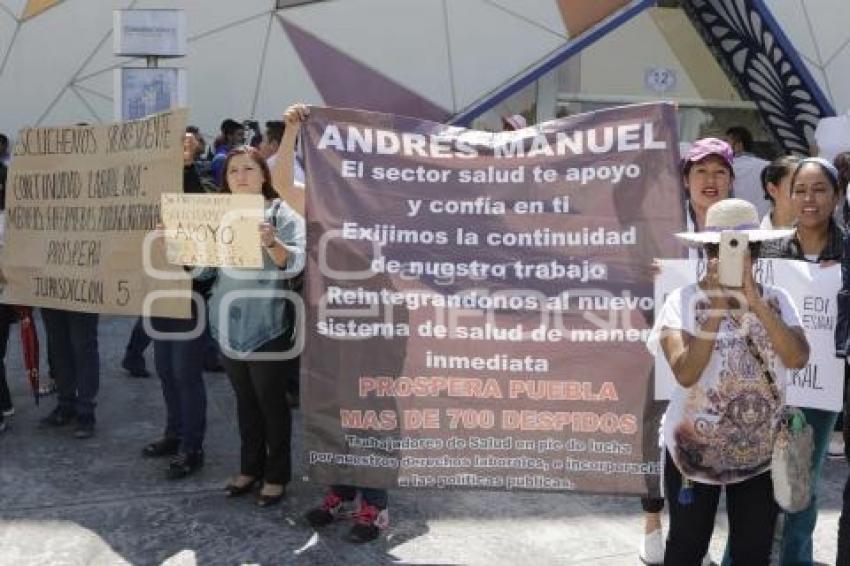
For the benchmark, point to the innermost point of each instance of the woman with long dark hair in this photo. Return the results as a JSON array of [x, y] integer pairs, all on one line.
[[817, 238]]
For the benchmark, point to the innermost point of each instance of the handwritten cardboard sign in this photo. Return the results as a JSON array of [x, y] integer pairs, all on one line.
[[213, 230], [81, 201]]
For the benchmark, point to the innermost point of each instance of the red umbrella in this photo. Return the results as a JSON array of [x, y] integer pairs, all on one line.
[[29, 343]]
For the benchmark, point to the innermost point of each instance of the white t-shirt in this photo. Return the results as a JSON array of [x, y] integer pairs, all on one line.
[[747, 183], [721, 430]]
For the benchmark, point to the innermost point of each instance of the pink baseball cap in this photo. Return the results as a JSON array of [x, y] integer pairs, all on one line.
[[704, 147]]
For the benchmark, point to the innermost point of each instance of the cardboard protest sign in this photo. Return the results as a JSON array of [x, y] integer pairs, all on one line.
[[80, 202], [213, 230], [477, 303], [812, 288]]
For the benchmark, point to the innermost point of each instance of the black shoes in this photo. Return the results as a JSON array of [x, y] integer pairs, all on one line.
[[212, 364], [84, 427], [369, 521], [162, 447], [60, 416], [185, 464], [333, 507], [263, 500], [135, 366]]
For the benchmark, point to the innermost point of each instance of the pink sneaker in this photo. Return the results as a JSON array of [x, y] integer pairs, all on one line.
[[369, 522], [332, 508]]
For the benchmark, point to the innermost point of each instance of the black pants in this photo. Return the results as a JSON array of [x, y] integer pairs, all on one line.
[[752, 513], [72, 336], [265, 422], [7, 316], [138, 343], [843, 558], [652, 504], [180, 366]]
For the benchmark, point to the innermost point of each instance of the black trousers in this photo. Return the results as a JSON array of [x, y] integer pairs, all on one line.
[[72, 337], [752, 513], [652, 504], [7, 317], [843, 557], [265, 422], [180, 366]]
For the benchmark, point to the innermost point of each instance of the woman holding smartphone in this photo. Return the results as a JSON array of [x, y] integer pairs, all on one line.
[[707, 178], [725, 349]]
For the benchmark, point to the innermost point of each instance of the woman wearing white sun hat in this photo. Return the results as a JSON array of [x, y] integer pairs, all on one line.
[[719, 427], [707, 178]]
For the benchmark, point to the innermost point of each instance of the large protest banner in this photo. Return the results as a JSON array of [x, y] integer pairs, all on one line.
[[80, 202], [813, 290], [478, 303]]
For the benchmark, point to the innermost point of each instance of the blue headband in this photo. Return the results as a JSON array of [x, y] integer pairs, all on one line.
[[828, 167]]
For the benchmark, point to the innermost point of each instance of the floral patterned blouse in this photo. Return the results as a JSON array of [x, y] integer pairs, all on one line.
[[721, 430]]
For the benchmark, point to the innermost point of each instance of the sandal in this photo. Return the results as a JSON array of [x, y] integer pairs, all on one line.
[[233, 490]]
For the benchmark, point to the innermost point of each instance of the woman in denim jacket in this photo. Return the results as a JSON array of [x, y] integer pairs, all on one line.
[[249, 319]]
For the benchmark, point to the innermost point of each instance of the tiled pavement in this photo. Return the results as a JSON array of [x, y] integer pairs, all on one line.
[[66, 501]]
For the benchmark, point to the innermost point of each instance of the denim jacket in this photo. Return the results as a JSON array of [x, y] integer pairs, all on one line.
[[242, 316]]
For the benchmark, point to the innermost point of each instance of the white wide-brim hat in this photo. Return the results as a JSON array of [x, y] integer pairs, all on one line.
[[732, 214]]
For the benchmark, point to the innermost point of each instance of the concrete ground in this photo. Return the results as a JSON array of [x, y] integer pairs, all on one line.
[[70, 502]]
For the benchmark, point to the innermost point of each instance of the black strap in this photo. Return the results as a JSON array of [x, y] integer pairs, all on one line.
[[764, 368], [754, 351], [275, 210]]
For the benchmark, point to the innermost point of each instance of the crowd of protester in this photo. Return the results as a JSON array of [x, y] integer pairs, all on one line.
[[791, 208]]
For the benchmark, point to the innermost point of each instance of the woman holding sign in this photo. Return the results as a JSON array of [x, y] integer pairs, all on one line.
[[817, 238], [249, 319], [725, 346]]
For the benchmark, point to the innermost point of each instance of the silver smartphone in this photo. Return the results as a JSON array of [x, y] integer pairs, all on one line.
[[730, 268]]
